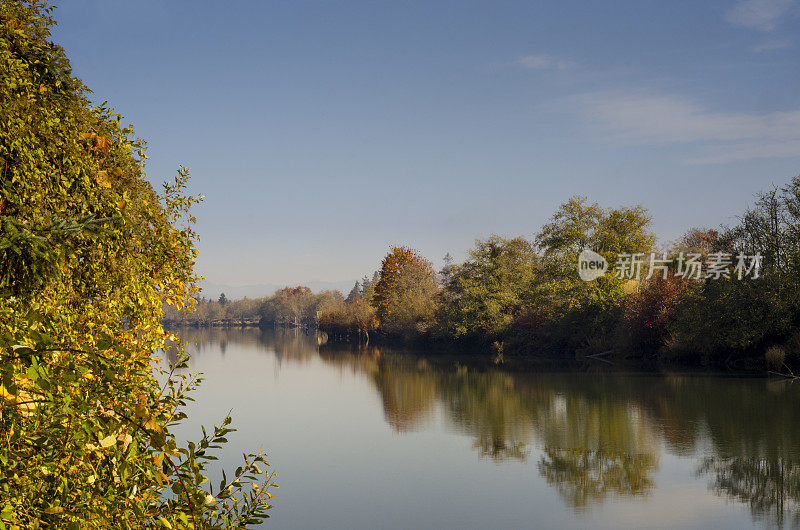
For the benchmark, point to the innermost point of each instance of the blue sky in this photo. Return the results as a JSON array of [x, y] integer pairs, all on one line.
[[322, 133]]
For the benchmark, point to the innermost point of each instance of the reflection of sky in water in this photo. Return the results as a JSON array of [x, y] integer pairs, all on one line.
[[373, 438]]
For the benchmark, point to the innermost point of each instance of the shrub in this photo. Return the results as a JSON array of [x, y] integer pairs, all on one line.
[[649, 312], [775, 356]]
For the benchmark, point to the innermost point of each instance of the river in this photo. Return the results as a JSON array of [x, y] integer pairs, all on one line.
[[377, 438]]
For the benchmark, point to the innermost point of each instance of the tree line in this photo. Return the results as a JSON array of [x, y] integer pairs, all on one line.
[[289, 307], [728, 296], [526, 297]]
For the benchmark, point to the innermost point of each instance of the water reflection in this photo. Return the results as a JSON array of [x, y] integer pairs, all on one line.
[[408, 395], [769, 486], [584, 476], [591, 435]]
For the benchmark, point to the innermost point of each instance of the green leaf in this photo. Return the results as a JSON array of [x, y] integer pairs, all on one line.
[[105, 341]]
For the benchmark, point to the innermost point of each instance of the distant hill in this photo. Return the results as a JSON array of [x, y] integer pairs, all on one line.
[[234, 292]]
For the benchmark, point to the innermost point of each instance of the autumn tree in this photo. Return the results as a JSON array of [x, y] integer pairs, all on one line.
[[649, 313], [404, 295], [353, 317], [703, 241], [289, 306], [90, 253], [297, 306]]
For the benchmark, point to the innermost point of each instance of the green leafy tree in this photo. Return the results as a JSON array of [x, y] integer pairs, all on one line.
[[89, 255], [577, 225], [482, 295], [584, 312]]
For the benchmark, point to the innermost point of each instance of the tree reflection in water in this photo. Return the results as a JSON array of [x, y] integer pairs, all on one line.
[[584, 476], [407, 398], [770, 487], [593, 443], [594, 435]]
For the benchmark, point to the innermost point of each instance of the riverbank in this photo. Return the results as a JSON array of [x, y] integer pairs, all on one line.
[[212, 324], [485, 357], [479, 355]]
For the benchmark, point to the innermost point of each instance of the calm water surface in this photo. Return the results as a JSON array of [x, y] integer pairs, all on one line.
[[374, 438]]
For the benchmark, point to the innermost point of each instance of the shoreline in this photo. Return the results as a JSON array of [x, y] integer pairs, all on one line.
[[479, 356]]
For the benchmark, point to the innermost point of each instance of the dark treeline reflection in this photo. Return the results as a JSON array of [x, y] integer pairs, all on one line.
[[590, 435], [770, 486]]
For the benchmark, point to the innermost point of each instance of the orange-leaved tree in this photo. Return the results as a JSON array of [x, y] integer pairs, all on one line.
[[405, 294]]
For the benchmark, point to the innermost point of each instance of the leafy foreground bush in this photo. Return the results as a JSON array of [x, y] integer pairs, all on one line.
[[86, 443], [89, 253]]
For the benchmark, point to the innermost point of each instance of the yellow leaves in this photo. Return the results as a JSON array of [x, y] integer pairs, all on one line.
[[54, 510], [152, 425], [122, 435], [141, 410], [114, 269], [27, 408], [171, 448], [103, 180], [26, 403], [108, 441], [111, 440], [165, 522], [6, 394], [126, 440]]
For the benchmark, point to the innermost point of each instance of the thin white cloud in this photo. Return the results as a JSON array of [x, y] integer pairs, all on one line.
[[719, 137], [777, 44], [741, 151], [543, 62], [761, 15]]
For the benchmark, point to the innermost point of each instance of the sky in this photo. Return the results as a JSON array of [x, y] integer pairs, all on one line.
[[322, 133]]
